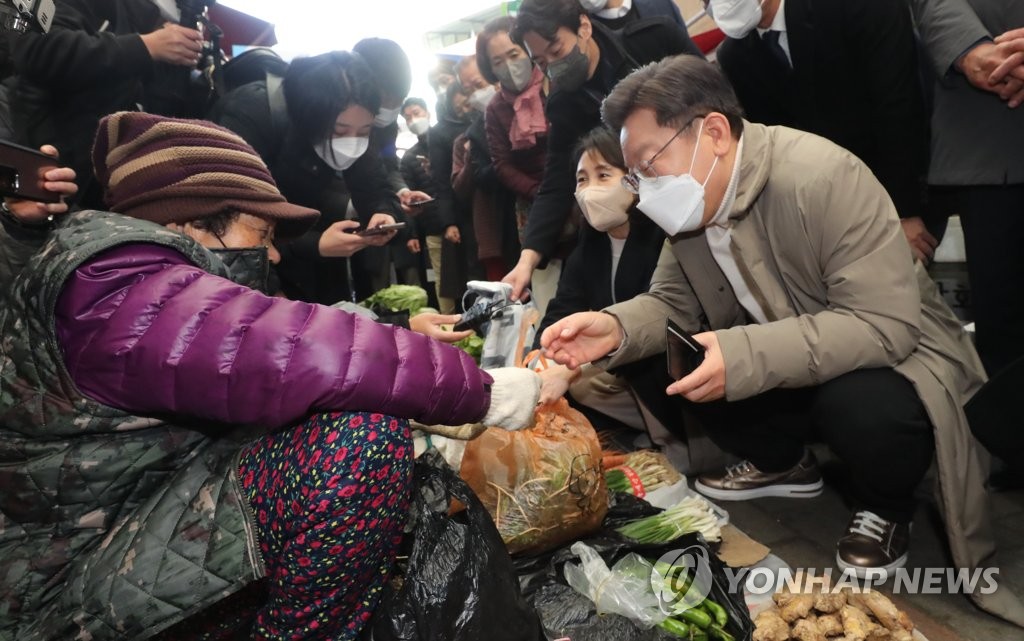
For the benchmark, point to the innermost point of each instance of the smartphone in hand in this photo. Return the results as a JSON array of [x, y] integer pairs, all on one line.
[[380, 229], [22, 173], [684, 353]]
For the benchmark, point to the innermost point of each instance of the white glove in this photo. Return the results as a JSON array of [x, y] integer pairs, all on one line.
[[514, 396]]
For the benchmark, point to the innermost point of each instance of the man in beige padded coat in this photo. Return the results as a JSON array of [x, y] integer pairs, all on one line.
[[786, 261]]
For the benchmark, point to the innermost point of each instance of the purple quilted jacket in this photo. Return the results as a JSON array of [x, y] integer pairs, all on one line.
[[144, 330]]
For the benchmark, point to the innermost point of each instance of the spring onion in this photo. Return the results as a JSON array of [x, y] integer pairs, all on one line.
[[692, 514]]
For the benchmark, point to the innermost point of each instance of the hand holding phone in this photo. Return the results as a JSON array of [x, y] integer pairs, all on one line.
[[684, 353], [380, 229], [23, 173]]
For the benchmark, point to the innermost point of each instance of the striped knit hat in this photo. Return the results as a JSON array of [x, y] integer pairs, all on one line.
[[168, 170]]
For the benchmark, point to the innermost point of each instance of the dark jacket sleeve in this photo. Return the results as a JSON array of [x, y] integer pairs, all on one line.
[[441, 171], [571, 295], [143, 330], [76, 55], [888, 54], [497, 126], [246, 111], [551, 208]]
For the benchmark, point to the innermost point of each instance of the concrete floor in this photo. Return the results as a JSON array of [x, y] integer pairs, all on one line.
[[803, 533]]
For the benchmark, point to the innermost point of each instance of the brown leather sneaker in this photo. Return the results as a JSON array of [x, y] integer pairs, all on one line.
[[872, 543], [744, 481]]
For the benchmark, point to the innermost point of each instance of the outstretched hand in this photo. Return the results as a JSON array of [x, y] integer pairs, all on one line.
[[582, 338]]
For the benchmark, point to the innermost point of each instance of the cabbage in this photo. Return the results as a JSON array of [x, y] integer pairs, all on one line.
[[398, 298]]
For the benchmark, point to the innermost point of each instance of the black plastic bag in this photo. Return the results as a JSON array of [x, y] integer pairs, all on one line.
[[566, 613], [459, 583]]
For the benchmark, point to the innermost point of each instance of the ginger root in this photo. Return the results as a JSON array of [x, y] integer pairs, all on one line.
[[830, 625], [856, 623], [769, 626], [829, 603]]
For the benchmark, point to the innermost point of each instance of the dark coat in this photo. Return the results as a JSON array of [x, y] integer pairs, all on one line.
[[855, 80], [416, 176], [442, 136], [586, 280], [574, 114], [306, 180], [643, 9], [81, 71]]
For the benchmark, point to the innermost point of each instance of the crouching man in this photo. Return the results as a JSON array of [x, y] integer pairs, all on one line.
[[786, 260]]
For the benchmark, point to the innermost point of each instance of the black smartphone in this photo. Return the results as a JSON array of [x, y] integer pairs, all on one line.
[[420, 203], [22, 173], [685, 354], [380, 229]]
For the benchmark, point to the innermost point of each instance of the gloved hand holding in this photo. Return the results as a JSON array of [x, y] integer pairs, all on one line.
[[514, 396]]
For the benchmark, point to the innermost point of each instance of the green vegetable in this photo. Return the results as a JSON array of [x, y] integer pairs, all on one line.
[[692, 514], [673, 626], [717, 632], [398, 298], [697, 617], [472, 345], [717, 611], [651, 469]]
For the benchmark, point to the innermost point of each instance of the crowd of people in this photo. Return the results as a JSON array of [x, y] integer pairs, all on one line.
[[200, 435]]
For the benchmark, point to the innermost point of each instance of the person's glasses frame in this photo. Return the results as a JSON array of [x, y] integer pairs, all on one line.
[[644, 171]]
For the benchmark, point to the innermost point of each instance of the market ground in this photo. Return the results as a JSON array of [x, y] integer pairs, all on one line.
[[803, 533]]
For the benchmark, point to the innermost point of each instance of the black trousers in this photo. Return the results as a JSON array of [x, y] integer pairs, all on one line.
[[993, 222], [873, 420]]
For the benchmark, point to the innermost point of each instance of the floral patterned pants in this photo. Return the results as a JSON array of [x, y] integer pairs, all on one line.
[[330, 499]]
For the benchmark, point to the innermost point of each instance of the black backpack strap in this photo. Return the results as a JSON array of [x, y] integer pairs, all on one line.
[[278, 106]]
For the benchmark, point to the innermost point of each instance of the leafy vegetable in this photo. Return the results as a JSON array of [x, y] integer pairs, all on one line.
[[641, 472], [692, 514], [396, 298], [472, 345]]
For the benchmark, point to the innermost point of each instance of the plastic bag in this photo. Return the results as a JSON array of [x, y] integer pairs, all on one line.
[[624, 589], [543, 485], [459, 583]]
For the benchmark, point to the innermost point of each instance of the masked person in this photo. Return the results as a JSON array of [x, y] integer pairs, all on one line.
[[786, 261], [476, 181], [584, 60], [313, 128], [846, 71], [613, 262], [517, 129], [615, 14], [186, 436], [393, 75]]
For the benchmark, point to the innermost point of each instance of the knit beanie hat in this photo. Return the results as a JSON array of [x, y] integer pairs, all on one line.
[[168, 170]]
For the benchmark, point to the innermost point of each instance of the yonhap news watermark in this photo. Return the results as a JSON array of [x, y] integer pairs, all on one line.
[[683, 578]]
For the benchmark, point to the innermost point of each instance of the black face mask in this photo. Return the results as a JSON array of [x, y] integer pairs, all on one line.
[[569, 73], [249, 267]]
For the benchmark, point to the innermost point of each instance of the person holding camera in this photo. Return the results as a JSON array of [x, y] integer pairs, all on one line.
[[98, 58], [313, 129], [811, 320], [186, 456]]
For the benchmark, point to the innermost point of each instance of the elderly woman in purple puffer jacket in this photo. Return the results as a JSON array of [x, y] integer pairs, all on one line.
[[178, 451]]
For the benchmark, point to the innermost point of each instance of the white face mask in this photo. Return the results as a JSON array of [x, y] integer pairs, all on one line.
[[593, 6], [386, 117], [341, 153], [419, 126], [676, 203], [736, 18], [605, 206], [481, 97]]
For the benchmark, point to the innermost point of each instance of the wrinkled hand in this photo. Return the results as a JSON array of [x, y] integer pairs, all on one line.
[[413, 245], [59, 181], [984, 63], [707, 382], [338, 241], [1010, 43], [379, 240], [582, 338], [407, 197], [554, 383], [452, 234], [433, 325], [922, 243], [174, 45]]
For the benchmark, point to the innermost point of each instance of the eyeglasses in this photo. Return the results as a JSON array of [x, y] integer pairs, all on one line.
[[645, 170]]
